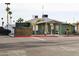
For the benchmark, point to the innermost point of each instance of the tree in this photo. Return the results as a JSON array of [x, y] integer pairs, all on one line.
[[39, 20], [10, 13], [2, 22], [1, 18], [35, 24], [20, 20], [7, 9]]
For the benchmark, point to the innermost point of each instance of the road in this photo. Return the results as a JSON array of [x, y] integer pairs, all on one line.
[[39, 46]]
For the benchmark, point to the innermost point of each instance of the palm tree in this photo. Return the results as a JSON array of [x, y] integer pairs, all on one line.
[[2, 22], [2, 19], [34, 24], [10, 13], [7, 9], [20, 20]]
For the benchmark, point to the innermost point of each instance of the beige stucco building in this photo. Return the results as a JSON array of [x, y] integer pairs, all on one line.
[[46, 25]]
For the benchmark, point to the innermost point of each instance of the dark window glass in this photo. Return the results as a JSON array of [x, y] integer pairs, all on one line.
[[23, 25]]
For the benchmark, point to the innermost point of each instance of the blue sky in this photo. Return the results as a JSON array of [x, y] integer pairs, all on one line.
[[61, 10]]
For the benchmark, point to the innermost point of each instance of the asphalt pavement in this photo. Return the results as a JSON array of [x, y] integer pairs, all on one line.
[[39, 46]]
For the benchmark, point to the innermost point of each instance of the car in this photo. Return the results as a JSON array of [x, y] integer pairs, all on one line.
[[4, 31]]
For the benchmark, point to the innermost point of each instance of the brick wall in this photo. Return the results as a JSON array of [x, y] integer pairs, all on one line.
[[23, 31]]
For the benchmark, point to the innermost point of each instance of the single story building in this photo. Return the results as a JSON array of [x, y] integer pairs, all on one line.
[[55, 27], [46, 25]]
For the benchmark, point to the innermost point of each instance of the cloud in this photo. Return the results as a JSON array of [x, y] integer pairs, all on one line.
[[54, 8], [40, 1]]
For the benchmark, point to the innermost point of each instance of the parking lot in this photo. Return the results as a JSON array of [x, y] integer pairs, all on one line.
[[39, 46]]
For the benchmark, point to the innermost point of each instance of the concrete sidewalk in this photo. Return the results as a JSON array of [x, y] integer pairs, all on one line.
[[55, 35]]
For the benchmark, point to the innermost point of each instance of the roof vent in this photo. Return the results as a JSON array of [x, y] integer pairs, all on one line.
[[36, 16], [45, 16]]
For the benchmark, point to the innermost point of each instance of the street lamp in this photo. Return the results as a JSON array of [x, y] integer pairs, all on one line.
[[7, 9]]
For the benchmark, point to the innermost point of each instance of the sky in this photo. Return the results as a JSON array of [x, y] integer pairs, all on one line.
[[61, 10]]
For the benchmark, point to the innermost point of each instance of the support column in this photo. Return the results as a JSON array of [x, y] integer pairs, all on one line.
[[35, 29], [52, 27], [46, 28]]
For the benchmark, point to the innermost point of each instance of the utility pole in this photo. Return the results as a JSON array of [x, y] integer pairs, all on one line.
[[42, 9], [7, 10], [73, 19]]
